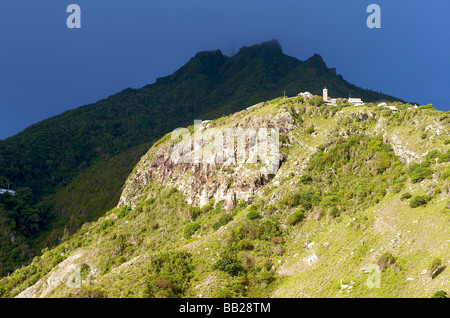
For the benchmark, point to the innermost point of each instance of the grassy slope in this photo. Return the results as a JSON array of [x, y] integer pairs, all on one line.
[[121, 247]]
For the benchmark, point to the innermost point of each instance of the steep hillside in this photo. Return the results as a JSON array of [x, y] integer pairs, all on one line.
[[356, 187], [59, 164]]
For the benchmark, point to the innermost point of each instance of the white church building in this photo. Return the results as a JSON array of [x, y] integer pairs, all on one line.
[[332, 101]]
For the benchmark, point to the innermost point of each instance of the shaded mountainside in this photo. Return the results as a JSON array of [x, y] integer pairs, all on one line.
[[356, 187], [71, 167]]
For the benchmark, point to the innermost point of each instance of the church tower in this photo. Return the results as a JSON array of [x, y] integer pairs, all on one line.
[[325, 94]]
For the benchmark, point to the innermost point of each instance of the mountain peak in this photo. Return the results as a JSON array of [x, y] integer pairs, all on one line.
[[204, 62], [272, 45], [316, 59], [209, 54]]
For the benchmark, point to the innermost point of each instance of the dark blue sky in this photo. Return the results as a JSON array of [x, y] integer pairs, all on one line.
[[46, 68]]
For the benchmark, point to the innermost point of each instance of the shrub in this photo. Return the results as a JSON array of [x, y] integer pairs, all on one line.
[[154, 225], [307, 198], [418, 201], [383, 162], [269, 229], [292, 199], [208, 207], [88, 292], [123, 211], [428, 106], [444, 157], [329, 201], [447, 141], [386, 260], [245, 245], [434, 267], [310, 130], [219, 206], [284, 139], [224, 219], [433, 154], [170, 275], [253, 215], [439, 294], [446, 174], [194, 212], [296, 217], [172, 191], [306, 179], [107, 223], [435, 264], [277, 240], [419, 172], [244, 232], [334, 212], [190, 229], [315, 101], [84, 270], [229, 263], [405, 196]]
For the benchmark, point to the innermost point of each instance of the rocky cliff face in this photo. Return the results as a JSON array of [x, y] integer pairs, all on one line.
[[200, 182]]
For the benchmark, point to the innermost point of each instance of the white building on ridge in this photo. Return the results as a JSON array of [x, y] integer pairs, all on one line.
[[306, 94], [3, 191], [393, 108], [332, 101], [355, 101], [327, 100]]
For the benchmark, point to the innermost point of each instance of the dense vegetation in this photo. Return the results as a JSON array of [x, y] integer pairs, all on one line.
[[357, 172], [21, 222]]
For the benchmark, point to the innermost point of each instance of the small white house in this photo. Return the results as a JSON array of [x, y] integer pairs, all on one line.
[[11, 192], [306, 94], [382, 104], [331, 101], [393, 108], [355, 101]]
